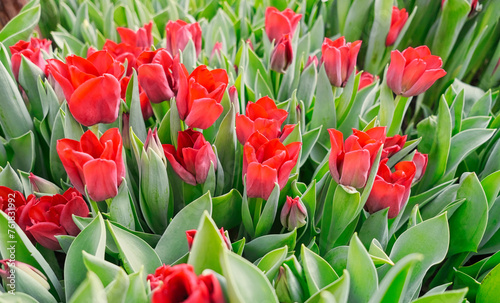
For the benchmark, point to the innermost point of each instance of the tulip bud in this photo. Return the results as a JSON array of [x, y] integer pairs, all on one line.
[[287, 286], [312, 60], [282, 55], [339, 59], [420, 161], [250, 44], [190, 234], [41, 185], [398, 20], [10, 268], [216, 50], [153, 143], [293, 214], [233, 97], [365, 80]]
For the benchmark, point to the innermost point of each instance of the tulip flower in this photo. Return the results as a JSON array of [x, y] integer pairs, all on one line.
[[32, 51], [278, 23], [141, 38], [398, 20], [391, 189], [178, 35], [179, 283], [392, 145], [288, 286], [12, 202], [312, 60], [49, 216], [11, 266], [420, 161], [190, 234], [122, 53], [40, 185], [266, 162], [413, 71], [339, 59], [365, 80], [155, 75], [199, 95], [233, 97], [263, 116], [146, 109], [216, 50], [91, 86], [350, 162], [293, 214], [282, 55], [96, 164], [193, 157]]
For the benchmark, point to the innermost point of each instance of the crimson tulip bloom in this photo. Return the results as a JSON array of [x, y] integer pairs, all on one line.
[[398, 20], [191, 161], [199, 95], [391, 189], [266, 162], [122, 53], [282, 55], [420, 161], [178, 35], [49, 216], [156, 77], [263, 116], [141, 38], [32, 51], [339, 59], [350, 162], [279, 23], [392, 145], [413, 71], [94, 163], [12, 202], [190, 234], [365, 80], [179, 283], [91, 86]]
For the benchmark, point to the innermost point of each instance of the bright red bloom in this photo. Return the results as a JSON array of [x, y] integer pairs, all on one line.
[[49, 216], [156, 75], [233, 97], [263, 116], [94, 163], [391, 189], [365, 80], [91, 86], [179, 283], [339, 59], [32, 51], [266, 162], [191, 161], [190, 234], [350, 162], [413, 71], [398, 20], [141, 38], [282, 55], [12, 202], [420, 161], [122, 53], [178, 35], [392, 145], [279, 23], [199, 95]]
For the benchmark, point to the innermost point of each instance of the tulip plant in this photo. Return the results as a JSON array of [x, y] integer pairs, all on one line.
[[250, 151]]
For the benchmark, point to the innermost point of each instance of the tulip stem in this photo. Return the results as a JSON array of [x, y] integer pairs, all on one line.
[[94, 207], [257, 210], [95, 129], [402, 104]]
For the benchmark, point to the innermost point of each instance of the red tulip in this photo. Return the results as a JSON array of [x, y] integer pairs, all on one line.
[[282, 55], [312, 60], [293, 214], [266, 162], [32, 51], [40, 185], [43, 219], [147, 110], [94, 163], [420, 161], [365, 80], [392, 145], [233, 97], [122, 53], [199, 95], [178, 35], [12, 202], [350, 162], [391, 189], [412, 72], [156, 75], [216, 50], [265, 117], [190, 234], [90, 86], [179, 283], [191, 161], [339, 59], [279, 23], [141, 38], [398, 20]]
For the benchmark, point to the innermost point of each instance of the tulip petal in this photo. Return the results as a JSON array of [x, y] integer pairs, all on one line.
[[385, 195], [77, 207], [45, 232], [337, 144], [244, 128], [356, 168], [204, 113], [176, 166], [91, 145], [425, 82], [260, 180], [395, 72], [154, 82], [204, 158], [101, 179]]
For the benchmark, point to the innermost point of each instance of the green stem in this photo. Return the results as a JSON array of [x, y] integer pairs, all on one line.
[[94, 208], [257, 210], [399, 114], [95, 129]]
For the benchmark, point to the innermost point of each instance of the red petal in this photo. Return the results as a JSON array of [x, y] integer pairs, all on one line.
[[153, 80], [45, 232], [204, 113], [355, 168], [260, 180], [101, 179], [77, 207], [395, 72]]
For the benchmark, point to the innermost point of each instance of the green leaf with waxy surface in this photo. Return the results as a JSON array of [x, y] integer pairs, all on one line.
[[21, 26], [364, 279], [317, 271], [271, 262], [90, 290], [259, 247], [339, 289]]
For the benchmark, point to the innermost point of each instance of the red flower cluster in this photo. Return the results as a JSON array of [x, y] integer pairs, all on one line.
[[32, 50], [179, 283]]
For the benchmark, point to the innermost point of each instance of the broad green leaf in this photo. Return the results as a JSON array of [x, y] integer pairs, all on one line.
[[20, 27], [318, 272], [339, 289], [226, 142], [271, 262], [268, 215], [91, 290], [364, 279], [452, 296], [105, 270], [260, 246], [136, 120], [227, 209], [488, 291], [324, 107]]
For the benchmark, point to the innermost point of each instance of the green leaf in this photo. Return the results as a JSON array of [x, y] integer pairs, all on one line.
[[26, 283], [227, 209], [135, 253], [307, 81], [375, 227], [23, 151], [173, 244], [92, 239], [271, 262], [324, 107], [452, 296], [356, 19], [91, 290], [488, 291], [268, 215], [29, 75], [317, 271], [10, 179], [225, 142], [260, 246], [243, 279], [339, 289], [378, 35], [105, 270], [20, 27], [364, 280], [136, 120], [491, 187]]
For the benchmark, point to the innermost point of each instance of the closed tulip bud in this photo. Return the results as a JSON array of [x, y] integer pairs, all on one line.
[[312, 60], [190, 234], [282, 55], [293, 213], [153, 143], [11, 266], [288, 288], [339, 59], [233, 97], [420, 161], [41, 185], [398, 20], [280, 23], [392, 145], [366, 79], [413, 71], [216, 50]]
